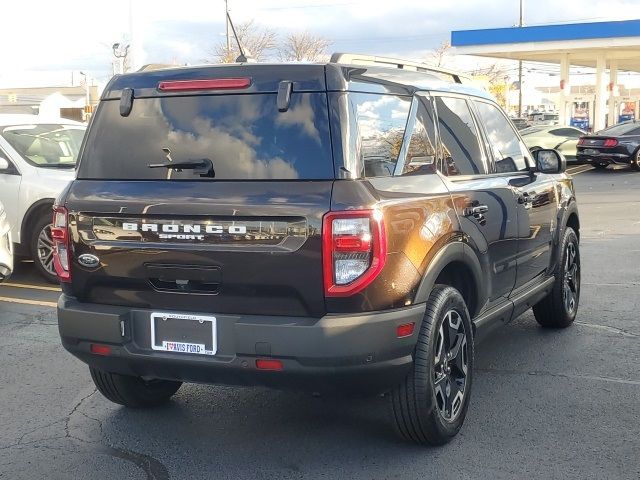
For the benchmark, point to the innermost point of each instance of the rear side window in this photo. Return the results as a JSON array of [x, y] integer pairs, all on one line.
[[245, 137], [508, 151], [459, 138], [381, 121], [420, 155]]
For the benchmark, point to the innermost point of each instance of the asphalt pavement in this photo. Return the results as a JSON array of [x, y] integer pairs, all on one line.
[[545, 404]]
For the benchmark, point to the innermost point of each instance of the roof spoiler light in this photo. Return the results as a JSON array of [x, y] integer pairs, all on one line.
[[205, 84]]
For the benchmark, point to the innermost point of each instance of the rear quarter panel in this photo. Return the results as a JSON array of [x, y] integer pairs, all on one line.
[[419, 218]]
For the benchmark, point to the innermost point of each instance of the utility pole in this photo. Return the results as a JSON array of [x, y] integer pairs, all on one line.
[[520, 70], [226, 23]]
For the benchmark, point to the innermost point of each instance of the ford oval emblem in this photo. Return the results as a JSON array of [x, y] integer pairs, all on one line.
[[88, 260]]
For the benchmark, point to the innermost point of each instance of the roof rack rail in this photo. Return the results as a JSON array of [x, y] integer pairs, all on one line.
[[359, 59]]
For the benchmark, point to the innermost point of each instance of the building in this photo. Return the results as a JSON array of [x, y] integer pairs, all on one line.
[[74, 103]]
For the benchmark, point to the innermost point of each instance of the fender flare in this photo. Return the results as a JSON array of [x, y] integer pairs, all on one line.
[[454, 252], [24, 228]]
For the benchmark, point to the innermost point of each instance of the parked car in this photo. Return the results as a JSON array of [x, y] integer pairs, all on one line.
[[313, 226], [544, 119], [521, 123], [563, 139], [6, 245], [37, 160], [619, 145]]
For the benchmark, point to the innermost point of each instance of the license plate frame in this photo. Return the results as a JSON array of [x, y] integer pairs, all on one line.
[[178, 345], [591, 151]]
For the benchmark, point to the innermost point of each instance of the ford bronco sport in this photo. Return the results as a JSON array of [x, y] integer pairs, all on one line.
[[326, 227]]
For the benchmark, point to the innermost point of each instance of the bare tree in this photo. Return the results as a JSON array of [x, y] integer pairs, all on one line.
[[255, 39], [303, 47], [497, 79], [439, 55]]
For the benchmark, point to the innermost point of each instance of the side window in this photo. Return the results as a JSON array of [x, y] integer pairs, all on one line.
[[461, 154], [421, 152], [381, 122], [567, 132], [508, 151]]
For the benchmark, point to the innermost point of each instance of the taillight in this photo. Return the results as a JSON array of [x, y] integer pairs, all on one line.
[[354, 250], [61, 244], [610, 142], [204, 84], [581, 141]]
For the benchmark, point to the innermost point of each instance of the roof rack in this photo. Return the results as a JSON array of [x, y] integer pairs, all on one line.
[[359, 59]]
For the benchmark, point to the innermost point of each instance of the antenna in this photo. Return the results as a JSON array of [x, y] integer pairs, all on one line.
[[245, 55]]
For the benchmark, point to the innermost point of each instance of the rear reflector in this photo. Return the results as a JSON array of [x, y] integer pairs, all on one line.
[[210, 84], [264, 364], [100, 349], [405, 330]]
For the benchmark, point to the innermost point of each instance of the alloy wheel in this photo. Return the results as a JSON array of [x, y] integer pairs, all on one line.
[[45, 250], [571, 285], [450, 366]]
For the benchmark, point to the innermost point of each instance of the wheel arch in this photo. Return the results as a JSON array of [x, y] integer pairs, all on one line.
[[457, 265], [38, 208]]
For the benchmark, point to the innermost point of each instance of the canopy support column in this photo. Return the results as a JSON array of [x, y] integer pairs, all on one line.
[[612, 118], [565, 88], [601, 94]]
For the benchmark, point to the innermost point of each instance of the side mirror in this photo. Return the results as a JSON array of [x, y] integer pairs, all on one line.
[[4, 164], [549, 161]]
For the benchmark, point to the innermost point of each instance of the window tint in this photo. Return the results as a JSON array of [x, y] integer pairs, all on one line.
[[245, 136], [421, 152], [381, 122], [459, 138], [619, 129], [567, 132], [508, 151]]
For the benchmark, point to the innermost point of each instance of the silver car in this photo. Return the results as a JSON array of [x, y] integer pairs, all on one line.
[[37, 160], [6, 246]]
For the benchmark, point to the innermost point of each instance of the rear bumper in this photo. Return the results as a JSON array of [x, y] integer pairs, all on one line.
[[336, 352], [605, 157]]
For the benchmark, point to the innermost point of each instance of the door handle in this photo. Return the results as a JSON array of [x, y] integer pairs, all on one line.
[[477, 210]]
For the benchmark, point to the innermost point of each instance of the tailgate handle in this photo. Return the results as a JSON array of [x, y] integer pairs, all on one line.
[[184, 278]]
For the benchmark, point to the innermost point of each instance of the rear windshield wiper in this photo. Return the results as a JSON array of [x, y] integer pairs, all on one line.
[[203, 166]]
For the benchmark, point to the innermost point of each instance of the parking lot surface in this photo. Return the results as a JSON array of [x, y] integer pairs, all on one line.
[[545, 404]]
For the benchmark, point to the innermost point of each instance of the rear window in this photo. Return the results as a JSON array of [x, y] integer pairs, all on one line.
[[244, 136], [620, 129]]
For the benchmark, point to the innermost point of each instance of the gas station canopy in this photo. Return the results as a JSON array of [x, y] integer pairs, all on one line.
[[604, 46]]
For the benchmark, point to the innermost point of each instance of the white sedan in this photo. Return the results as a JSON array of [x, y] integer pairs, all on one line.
[[563, 139]]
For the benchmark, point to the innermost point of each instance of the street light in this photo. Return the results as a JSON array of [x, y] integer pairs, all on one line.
[[86, 88]]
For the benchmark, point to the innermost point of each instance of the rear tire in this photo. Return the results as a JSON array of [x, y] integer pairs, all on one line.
[[636, 161], [41, 248], [133, 392], [429, 406], [560, 307]]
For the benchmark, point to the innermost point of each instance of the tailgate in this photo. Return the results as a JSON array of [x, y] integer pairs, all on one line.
[[224, 247]]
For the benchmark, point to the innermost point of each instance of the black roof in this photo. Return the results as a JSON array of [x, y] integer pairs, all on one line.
[[306, 77]]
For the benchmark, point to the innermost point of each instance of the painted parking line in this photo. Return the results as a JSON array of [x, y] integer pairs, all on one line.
[[578, 170], [23, 301], [31, 287]]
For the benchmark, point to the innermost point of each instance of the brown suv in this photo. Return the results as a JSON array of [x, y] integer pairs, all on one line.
[[321, 227]]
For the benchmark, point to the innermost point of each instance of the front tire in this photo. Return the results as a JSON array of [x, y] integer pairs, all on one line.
[[41, 247], [636, 161], [133, 392], [430, 405], [560, 307]]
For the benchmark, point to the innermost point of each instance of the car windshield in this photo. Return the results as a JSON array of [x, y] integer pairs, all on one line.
[[619, 129], [46, 145]]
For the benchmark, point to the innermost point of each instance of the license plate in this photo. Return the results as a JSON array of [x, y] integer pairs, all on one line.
[[591, 151], [183, 333]]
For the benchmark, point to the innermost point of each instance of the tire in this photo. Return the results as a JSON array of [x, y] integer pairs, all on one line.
[[41, 248], [133, 392], [559, 308], [419, 405], [636, 161], [600, 166]]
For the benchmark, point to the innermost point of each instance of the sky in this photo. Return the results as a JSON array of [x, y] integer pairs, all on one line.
[[48, 42]]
